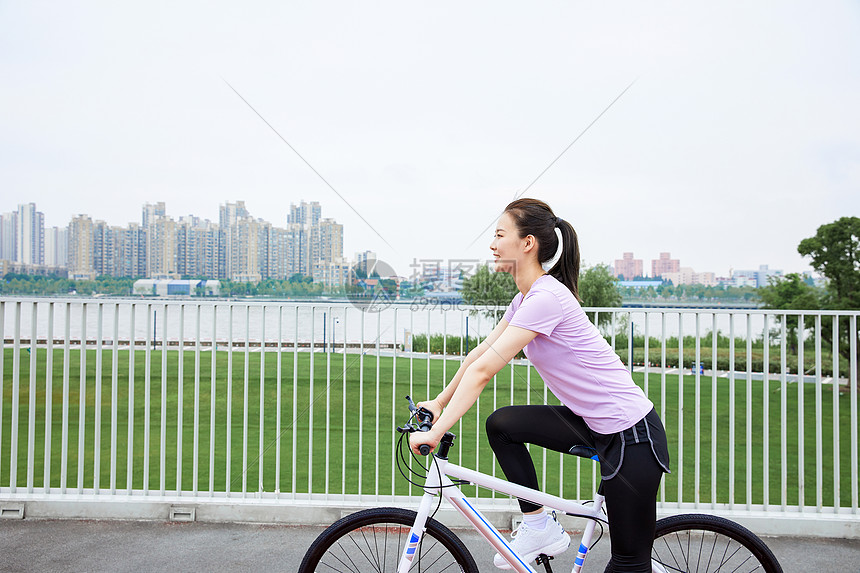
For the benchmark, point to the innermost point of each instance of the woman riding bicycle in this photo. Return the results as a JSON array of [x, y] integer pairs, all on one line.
[[604, 411]]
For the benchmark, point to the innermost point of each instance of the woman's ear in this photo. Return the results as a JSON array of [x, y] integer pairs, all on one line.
[[529, 243]]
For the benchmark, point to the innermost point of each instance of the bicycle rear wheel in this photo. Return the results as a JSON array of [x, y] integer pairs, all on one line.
[[373, 539], [700, 543]]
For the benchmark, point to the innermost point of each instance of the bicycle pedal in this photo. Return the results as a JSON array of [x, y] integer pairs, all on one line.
[[544, 559]]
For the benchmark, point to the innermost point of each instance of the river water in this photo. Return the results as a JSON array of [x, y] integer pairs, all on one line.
[[332, 322]]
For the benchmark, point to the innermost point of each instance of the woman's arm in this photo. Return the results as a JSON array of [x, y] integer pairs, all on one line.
[[437, 404], [472, 381]]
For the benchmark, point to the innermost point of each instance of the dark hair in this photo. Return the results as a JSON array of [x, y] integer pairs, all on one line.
[[534, 217]]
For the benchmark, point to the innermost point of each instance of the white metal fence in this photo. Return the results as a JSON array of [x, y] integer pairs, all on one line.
[[295, 404]]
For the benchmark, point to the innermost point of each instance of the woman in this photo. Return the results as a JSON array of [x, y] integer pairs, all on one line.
[[603, 409]]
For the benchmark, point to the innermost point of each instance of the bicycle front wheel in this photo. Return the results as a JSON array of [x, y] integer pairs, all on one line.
[[373, 540], [700, 543]]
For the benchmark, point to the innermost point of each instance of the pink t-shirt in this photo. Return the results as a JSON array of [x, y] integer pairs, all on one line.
[[574, 360]]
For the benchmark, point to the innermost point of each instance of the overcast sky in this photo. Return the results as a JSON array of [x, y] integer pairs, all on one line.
[[739, 137]]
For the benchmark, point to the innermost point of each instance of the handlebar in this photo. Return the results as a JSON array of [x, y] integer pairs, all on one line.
[[425, 422]]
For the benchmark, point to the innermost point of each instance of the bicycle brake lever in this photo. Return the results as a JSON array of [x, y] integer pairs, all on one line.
[[406, 429]]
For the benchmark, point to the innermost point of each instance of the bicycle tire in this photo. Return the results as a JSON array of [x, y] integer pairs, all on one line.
[[701, 543], [373, 540]]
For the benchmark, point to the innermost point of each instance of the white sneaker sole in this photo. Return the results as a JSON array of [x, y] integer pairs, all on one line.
[[552, 551]]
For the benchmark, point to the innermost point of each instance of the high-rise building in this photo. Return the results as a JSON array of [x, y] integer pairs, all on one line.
[[332, 273], [229, 215], [30, 240], [158, 263], [57, 247], [199, 248], [272, 246], [9, 236], [628, 267], [312, 239], [297, 250], [151, 212], [161, 249], [308, 214], [280, 251], [365, 259], [244, 257], [187, 247], [107, 249], [133, 251], [302, 226], [81, 248], [665, 264], [213, 251], [331, 240]]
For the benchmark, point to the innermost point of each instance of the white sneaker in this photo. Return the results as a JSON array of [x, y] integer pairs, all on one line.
[[528, 543]]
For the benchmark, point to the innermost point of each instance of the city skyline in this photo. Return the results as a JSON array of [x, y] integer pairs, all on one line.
[[193, 244], [238, 246], [668, 269], [804, 267]]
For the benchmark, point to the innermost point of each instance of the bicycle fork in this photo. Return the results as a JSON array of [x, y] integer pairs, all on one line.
[[416, 533], [431, 490]]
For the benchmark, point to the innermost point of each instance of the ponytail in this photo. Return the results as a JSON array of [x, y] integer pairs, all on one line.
[[566, 269]]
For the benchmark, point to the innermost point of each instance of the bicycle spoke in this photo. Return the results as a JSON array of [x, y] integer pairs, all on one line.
[[703, 551], [369, 550], [424, 556], [677, 566], [385, 548], [724, 559], [376, 552], [711, 555], [352, 567]]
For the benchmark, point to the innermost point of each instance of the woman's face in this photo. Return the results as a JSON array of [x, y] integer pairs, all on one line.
[[506, 245]]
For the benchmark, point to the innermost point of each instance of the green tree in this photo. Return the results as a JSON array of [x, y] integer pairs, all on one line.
[[599, 288], [835, 253], [488, 288], [667, 290], [790, 293]]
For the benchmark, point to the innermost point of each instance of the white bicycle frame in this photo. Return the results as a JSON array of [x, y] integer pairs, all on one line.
[[438, 481]]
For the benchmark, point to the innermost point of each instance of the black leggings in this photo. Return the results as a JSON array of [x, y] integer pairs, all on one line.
[[631, 495]]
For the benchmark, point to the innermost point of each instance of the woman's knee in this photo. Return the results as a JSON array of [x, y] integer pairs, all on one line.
[[498, 422]]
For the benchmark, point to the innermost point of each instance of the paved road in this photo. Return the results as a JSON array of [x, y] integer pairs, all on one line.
[[142, 546]]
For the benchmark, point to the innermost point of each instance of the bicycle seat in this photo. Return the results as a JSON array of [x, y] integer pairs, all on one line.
[[584, 452]]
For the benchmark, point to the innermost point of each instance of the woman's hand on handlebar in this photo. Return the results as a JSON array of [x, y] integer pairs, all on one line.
[[434, 406], [417, 439]]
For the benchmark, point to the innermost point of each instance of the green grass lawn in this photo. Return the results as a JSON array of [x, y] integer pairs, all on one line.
[[339, 437]]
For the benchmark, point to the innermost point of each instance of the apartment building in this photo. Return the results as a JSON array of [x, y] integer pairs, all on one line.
[[81, 235], [627, 267], [30, 235], [57, 247], [665, 264]]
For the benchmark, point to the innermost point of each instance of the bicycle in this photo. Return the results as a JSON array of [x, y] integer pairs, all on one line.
[[396, 539]]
